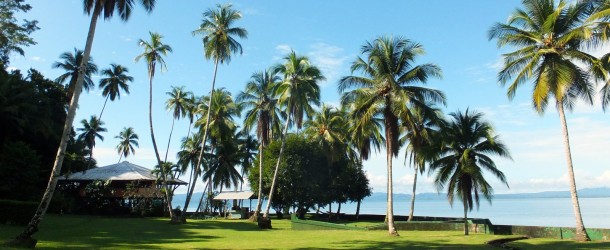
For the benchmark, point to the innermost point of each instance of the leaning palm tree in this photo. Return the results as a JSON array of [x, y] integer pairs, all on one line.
[[90, 131], [467, 141], [177, 103], [154, 50], [218, 44], [421, 127], [263, 112], [550, 41], [97, 9], [388, 90], [127, 139], [71, 63], [116, 79], [298, 90]]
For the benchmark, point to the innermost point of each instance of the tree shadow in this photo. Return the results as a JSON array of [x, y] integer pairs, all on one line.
[[558, 244]]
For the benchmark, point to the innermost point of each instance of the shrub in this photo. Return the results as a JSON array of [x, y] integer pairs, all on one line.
[[17, 212]]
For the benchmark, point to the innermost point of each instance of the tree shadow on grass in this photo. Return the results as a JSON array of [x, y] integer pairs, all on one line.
[[559, 244]]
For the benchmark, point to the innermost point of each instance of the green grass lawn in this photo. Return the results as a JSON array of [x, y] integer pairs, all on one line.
[[60, 232]]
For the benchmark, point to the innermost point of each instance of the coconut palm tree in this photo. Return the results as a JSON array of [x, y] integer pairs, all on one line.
[[388, 90], [420, 131], [329, 129], [116, 79], [247, 145], [218, 44], [90, 131], [127, 139], [188, 155], [71, 63], [154, 50], [467, 142], [97, 9], [298, 90], [177, 103], [263, 111], [549, 40], [222, 171]]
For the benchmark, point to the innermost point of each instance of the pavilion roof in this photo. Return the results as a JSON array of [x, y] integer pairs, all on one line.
[[123, 171], [234, 195]]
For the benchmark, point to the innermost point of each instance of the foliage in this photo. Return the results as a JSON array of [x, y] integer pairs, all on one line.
[[21, 165], [14, 35], [16, 212], [71, 63]]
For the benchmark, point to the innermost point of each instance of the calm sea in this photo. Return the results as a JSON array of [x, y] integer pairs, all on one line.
[[519, 211]]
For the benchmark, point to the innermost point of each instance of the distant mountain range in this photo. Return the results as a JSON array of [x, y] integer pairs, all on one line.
[[582, 193]]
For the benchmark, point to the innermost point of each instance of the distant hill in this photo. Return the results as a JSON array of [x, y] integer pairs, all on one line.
[[582, 193]]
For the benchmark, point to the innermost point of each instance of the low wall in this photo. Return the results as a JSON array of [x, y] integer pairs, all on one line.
[[297, 224], [598, 234]]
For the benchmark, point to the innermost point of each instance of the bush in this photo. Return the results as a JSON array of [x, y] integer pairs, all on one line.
[[17, 212]]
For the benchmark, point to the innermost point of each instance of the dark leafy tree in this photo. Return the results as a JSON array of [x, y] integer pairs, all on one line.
[[14, 35]]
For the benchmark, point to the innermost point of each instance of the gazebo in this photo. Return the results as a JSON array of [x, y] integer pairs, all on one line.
[[237, 195], [122, 184]]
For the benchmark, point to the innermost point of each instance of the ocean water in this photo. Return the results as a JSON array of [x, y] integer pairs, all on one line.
[[515, 211]]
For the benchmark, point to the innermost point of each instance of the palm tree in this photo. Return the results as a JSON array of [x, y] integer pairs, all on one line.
[[388, 90], [71, 63], [177, 103], [222, 171], [90, 131], [127, 139], [550, 40], [105, 8], [154, 50], [259, 97], [247, 145], [329, 129], [298, 90], [116, 80], [218, 44], [467, 141], [421, 129], [188, 155]]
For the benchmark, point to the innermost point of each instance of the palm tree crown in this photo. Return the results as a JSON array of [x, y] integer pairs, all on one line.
[[116, 79], [90, 131], [122, 7], [218, 31], [127, 139], [178, 102], [71, 63]]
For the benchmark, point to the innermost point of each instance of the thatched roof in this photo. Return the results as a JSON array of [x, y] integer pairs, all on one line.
[[231, 195], [123, 171]]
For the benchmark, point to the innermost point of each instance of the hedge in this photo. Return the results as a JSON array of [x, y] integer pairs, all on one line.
[[17, 212]]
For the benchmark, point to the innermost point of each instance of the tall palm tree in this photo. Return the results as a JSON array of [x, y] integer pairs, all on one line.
[[421, 129], [550, 39], [218, 44], [263, 111], [188, 155], [329, 129], [247, 145], [298, 90], [71, 63], [388, 89], [467, 141], [127, 139], [96, 8], [154, 50], [177, 103], [116, 79], [222, 171], [90, 131]]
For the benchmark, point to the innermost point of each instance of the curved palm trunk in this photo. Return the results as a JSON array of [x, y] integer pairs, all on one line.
[[103, 107], [168, 197], [259, 203], [581, 232], [413, 196], [465, 219], [25, 238], [203, 141], [120, 157], [277, 166], [171, 131]]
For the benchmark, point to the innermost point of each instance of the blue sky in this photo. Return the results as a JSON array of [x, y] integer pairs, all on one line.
[[330, 33]]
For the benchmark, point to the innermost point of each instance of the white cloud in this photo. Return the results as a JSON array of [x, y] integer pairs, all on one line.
[[37, 59], [329, 59], [283, 49]]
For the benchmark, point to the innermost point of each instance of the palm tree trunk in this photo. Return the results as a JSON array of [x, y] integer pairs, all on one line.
[[25, 238], [390, 212], [358, 209], [260, 182], [277, 166], [168, 197], [171, 131], [120, 157], [201, 199], [581, 232], [465, 219], [203, 141], [413, 195], [103, 107]]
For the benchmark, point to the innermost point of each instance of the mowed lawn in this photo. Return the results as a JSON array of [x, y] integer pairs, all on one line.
[[60, 232]]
